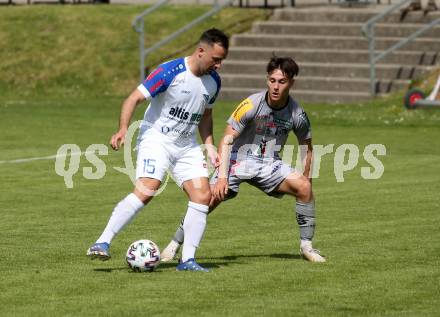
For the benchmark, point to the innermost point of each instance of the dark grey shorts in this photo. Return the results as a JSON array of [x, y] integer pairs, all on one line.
[[265, 175]]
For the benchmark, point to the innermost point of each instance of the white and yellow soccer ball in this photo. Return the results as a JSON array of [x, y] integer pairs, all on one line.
[[143, 256]]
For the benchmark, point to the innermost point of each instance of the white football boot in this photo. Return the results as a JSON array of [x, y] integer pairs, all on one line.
[[308, 253], [169, 253]]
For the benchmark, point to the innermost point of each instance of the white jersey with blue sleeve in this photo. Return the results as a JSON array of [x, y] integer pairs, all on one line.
[[178, 100]]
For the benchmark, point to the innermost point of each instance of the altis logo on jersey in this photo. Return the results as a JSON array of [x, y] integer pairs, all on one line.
[[182, 114]]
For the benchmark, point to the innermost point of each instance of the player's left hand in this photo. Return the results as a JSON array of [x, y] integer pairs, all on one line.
[[212, 155], [220, 189]]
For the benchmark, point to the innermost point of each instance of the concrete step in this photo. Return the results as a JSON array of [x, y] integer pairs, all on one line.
[[332, 53], [341, 29], [342, 70], [247, 53], [317, 83], [302, 96], [353, 15], [329, 42]]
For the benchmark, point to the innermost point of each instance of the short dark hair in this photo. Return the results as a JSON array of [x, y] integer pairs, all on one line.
[[215, 36], [286, 64]]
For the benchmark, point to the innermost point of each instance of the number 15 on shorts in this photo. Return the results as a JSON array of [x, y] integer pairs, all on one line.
[[149, 166]]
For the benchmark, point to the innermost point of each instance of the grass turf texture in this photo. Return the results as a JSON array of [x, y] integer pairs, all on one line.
[[82, 50], [380, 236]]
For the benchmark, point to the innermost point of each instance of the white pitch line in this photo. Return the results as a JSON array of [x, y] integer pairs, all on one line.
[[24, 160]]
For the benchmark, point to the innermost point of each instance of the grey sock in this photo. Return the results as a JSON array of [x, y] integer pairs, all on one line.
[[305, 217], [179, 235]]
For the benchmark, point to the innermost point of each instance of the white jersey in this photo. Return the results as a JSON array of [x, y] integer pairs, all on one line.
[[178, 100]]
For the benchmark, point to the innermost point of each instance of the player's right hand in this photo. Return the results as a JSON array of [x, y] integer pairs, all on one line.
[[118, 139], [221, 189]]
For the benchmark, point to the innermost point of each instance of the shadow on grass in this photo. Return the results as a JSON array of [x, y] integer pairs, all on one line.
[[164, 267], [275, 255], [208, 265], [211, 262], [111, 269]]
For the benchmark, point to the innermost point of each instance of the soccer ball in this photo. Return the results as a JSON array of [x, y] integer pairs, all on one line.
[[143, 255]]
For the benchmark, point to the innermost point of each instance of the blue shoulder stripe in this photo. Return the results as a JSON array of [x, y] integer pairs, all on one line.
[[218, 81], [161, 78]]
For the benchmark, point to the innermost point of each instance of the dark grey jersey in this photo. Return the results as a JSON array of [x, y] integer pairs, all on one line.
[[264, 130]]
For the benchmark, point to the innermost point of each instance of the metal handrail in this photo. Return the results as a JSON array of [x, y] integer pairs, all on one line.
[[368, 31], [139, 18], [139, 26]]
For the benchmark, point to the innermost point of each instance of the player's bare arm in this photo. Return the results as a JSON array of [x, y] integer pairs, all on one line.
[[224, 150], [205, 130], [128, 107]]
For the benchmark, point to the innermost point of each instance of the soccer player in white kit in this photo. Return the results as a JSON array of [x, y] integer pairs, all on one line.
[[182, 93], [249, 152]]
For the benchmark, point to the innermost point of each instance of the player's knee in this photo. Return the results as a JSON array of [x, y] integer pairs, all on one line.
[[146, 189], [204, 196], [304, 192], [143, 196]]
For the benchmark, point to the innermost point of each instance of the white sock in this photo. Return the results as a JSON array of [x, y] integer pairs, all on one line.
[[306, 244], [194, 227], [122, 215]]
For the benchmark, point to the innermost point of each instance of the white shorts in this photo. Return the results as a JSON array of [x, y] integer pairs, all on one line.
[[157, 156]]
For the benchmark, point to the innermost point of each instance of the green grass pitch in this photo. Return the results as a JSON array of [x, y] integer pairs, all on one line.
[[61, 68], [381, 237]]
